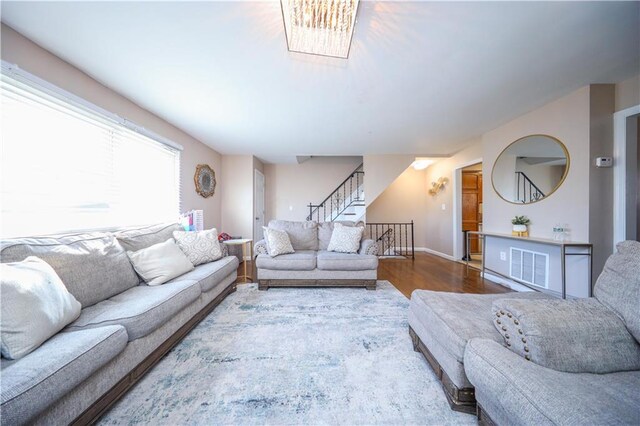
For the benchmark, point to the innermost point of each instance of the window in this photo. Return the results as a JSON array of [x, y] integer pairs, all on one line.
[[67, 165]]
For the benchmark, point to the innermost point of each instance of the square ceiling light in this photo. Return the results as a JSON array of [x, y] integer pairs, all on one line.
[[319, 27]]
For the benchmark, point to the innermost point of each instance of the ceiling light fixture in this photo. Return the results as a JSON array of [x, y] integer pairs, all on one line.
[[421, 164], [319, 27]]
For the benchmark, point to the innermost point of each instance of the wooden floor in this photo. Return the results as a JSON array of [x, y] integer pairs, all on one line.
[[430, 272], [427, 272]]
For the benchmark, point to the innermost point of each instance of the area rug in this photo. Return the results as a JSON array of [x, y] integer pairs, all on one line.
[[294, 357]]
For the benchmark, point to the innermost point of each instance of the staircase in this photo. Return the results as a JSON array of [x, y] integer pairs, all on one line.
[[526, 190], [346, 202]]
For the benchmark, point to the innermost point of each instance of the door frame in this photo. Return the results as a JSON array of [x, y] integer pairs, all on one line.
[[620, 172], [257, 230], [457, 206]]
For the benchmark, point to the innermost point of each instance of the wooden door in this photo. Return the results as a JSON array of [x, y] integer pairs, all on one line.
[[471, 200]]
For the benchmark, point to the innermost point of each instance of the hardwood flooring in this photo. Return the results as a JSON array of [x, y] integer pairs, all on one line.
[[430, 272], [426, 272]]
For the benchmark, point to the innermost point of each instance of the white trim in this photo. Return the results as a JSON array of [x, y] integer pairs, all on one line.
[[620, 172], [457, 206], [17, 73], [504, 282], [258, 231], [434, 252]]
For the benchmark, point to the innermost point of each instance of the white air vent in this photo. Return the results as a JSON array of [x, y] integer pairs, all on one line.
[[530, 267]]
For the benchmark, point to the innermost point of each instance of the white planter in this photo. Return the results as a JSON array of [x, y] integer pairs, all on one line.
[[519, 228]]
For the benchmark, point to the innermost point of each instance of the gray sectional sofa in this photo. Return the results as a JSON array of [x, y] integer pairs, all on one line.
[[312, 265], [124, 327], [553, 362]]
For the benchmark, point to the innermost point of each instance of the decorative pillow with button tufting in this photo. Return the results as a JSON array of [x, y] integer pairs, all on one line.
[[576, 336]]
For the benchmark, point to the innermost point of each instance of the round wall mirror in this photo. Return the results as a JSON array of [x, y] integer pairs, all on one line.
[[530, 169]]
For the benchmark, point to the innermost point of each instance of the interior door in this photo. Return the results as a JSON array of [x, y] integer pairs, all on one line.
[[258, 203], [471, 200]]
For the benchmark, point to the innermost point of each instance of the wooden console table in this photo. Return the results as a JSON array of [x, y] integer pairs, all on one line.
[[563, 245]]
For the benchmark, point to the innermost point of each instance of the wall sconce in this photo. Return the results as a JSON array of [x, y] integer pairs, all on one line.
[[438, 186]]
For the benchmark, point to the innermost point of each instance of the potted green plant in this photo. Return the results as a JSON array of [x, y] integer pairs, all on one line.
[[520, 226]]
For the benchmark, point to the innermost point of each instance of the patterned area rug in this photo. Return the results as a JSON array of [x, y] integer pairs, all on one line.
[[294, 356]]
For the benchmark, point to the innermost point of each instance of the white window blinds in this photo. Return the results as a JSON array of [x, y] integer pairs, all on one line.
[[67, 167]]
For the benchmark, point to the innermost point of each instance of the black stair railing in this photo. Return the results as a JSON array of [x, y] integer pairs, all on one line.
[[393, 239], [348, 194], [526, 190]]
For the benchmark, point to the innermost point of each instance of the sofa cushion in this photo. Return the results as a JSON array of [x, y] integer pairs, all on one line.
[[517, 392], [140, 310], [278, 242], [303, 235], [345, 239], [455, 318], [92, 266], [209, 275], [331, 261], [160, 263], [32, 383], [576, 336], [325, 230], [618, 286], [200, 247], [135, 239], [299, 261], [34, 305]]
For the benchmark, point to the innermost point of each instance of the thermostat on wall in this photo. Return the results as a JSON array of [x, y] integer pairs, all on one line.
[[604, 162]]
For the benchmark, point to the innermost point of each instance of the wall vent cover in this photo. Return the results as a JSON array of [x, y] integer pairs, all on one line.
[[529, 267]]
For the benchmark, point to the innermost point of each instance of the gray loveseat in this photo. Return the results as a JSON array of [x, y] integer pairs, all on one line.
[[553, 362], [312, 265], [124, 328]]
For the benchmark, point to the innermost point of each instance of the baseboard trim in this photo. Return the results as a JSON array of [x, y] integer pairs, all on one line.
[[504, 282], [436, 253]]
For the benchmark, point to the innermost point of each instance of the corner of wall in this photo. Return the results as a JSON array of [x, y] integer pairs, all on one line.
[[601, 109]]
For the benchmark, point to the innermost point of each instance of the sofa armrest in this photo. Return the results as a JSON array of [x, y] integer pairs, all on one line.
[[224, 249], [515, 391], [576, 336], [260, 248], [368, 247]]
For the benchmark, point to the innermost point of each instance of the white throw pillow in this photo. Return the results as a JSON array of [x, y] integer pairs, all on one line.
[[200, 247], [345, 239], [35, 306], [160, 262], [278, 242]]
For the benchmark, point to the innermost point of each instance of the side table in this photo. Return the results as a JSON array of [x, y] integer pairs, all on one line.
[[244, 242]]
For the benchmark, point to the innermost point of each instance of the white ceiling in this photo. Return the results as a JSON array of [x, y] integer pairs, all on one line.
[[422, 77]]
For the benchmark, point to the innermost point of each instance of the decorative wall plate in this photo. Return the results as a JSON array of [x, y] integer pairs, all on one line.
[[205, 179]]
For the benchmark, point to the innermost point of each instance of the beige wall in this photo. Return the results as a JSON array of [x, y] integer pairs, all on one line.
[[583, 121], [380, 171], [19, 50], [439, 223], [601, 108], [403, 201], [291, 187], [627, 93], [568, 120], [237, 195]]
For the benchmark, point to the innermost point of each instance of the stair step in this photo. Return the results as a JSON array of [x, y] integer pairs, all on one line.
[[358, 205], [348, 214]]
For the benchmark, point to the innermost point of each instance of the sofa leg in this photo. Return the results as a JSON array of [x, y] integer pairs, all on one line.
[[483, 417], [371, 284], [414, 340], [463, 400], [263, 285]]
